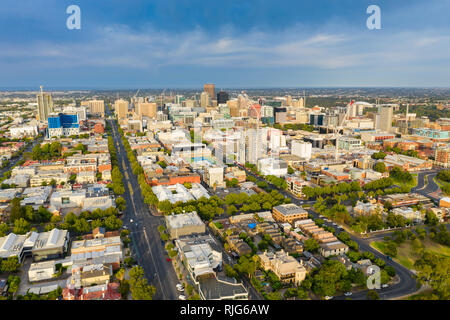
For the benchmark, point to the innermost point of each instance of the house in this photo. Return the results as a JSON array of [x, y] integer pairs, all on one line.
[[108, 291], [333, 249], [286, 267]]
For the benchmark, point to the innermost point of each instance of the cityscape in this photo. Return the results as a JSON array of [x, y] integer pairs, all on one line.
[[205, 190]]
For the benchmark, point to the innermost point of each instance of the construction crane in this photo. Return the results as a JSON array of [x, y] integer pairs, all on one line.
[[339, 127]]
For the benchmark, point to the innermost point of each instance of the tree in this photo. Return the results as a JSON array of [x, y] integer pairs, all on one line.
[[140, 289], [113, 223], [16, 210], [431, 218], [4, 228], [13, 283], [21, 226], [10, 265], [311, 245], [380, 167], [373, 295]]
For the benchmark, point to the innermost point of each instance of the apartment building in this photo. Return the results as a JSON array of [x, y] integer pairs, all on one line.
[[289, 213]]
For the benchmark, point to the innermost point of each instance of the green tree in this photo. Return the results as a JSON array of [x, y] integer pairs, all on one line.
[[311, 245], [10, 265], [4, 228], [373, 295], [380, 167], [140, 289], [21, 226]]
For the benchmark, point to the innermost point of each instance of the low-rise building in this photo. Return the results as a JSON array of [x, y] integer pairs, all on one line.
[[333, 248], [184, 224], [287, 268], [289, 213]]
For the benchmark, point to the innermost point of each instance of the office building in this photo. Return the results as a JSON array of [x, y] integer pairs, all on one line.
[[147, 109], [222, 97], [210, 89], [386, 116], [184, 224], [63, 125], [45, 105]]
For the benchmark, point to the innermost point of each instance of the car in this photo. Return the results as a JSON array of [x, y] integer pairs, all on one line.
[[182, 297], [168, 259], [328, 297], [180, 289], [131, 220], [348, 294], [384, 285], [179, 285]]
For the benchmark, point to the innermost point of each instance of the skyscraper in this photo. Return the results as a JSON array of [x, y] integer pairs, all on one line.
[[205, 100], [222, 97], [121, 108], [210, 89], [386, 115], [44, 104]]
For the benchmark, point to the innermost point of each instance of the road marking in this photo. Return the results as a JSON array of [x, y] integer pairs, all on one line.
[[151, 255]]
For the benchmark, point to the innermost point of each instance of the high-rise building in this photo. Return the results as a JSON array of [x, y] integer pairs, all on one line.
[[256, 145], [205, 100], [95, 106], [233, 105], [386, 115], [222, 97], [280, 114], [148, 109], [121, 108], [301, 149], [45, 105], [210, 89]]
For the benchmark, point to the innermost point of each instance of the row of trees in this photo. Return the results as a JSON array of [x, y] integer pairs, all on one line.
[[254, 203], [206, 208], [116, 176], [340, 188]]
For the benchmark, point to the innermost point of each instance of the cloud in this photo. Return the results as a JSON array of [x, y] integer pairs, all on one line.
[[149, 49]]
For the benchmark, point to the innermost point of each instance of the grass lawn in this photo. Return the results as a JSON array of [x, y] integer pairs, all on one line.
[[406, 255]]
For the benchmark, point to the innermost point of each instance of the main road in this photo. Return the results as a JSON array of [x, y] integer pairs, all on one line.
[[147, 246], [405, 286]]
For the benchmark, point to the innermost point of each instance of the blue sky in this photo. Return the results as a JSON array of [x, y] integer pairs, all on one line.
[[232, 43]]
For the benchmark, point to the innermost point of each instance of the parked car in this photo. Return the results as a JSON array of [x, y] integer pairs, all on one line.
[[384, 285], [182, 297], [168, 259], [328, 297], [348, 294]]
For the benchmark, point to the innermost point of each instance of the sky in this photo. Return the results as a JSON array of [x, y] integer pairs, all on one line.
[[232, 43]]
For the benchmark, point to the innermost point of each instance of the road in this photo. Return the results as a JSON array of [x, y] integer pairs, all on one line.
[[407, 284], [431, 188], [146, 242], [29, 147]]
